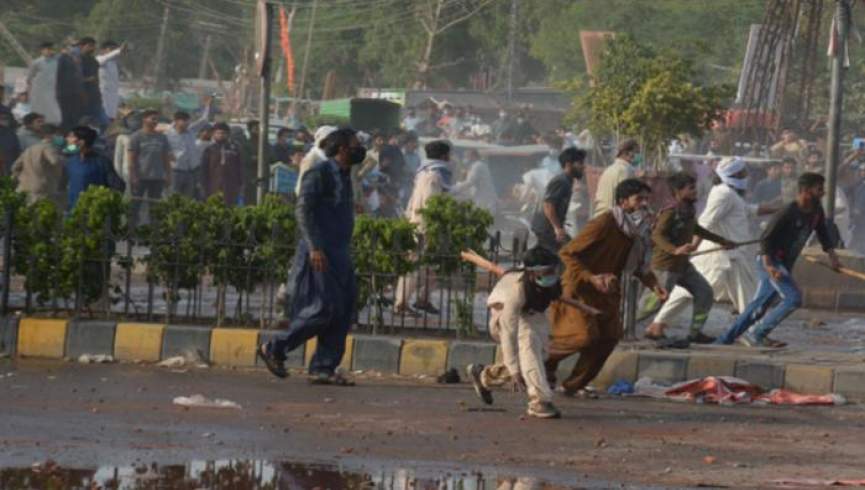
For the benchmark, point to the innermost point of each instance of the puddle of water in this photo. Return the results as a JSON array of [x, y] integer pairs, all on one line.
[[260, 475]]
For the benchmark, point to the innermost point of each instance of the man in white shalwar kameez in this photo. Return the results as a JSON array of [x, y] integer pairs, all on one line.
[[731, 273], [109, 77], [42, 85], [478, 185]]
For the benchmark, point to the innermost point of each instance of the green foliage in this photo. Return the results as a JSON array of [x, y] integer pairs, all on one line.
[[638, 91], [452, 226], [37, 247], [99, 217], [385, 247], [174, 237]]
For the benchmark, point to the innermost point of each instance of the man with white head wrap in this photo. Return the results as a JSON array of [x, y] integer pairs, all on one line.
[[731, 273], [314, 155]]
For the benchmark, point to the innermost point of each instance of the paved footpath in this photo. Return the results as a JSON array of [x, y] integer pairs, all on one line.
[[89, 416]]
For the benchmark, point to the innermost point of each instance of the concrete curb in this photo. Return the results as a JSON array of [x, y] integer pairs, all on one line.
[[814, 372]]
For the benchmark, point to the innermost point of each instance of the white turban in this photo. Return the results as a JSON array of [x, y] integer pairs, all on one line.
[[323, 132], [727, 168]]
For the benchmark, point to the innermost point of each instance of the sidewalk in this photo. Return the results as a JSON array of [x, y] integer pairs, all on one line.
[[799, 368]]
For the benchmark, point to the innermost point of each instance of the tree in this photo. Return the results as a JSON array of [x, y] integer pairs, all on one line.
[[655, 96]]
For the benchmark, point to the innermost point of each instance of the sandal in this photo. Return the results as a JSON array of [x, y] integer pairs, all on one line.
[[274, 365]]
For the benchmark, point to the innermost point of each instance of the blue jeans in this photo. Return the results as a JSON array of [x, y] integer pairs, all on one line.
[[768, 293]]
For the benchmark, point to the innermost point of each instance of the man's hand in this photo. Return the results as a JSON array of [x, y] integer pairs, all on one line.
[[775, 273], [561, 236], [685, 249], [662, 294], [318, 260], [604, 283]]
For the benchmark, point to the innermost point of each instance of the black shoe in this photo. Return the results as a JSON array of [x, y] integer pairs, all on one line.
[[427, 307], [701, 338], [274, 365], [474, 372]]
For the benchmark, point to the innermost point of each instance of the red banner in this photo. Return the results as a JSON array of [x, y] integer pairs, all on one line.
[[285, 42]]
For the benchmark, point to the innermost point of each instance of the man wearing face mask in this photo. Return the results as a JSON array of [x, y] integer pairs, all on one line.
[[323, 279], [519, 324], [548, 221], [731, 273], [627, 157], [610, 246], [39, 170]]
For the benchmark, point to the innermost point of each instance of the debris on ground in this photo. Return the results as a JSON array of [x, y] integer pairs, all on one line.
[[727, 390], [95, 359], [189, 358], [810, 482], [199, 401], [621, 387]]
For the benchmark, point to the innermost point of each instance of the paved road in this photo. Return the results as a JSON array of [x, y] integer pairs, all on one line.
[[120, 415]]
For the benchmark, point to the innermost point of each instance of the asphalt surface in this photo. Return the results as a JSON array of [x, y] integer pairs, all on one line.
[[103, 416]]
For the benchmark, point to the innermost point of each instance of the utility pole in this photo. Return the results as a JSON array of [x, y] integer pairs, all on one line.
[[836, 107], [264, 20], [512, 49], [160, 46], [309, 28]]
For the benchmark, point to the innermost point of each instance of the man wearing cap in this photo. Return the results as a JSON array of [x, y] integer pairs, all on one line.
[[730, 273]]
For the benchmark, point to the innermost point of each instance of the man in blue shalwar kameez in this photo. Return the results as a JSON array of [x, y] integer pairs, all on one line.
[[322, 282]]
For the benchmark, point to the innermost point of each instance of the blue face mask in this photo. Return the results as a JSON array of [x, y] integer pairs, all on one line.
[[547, 281], [638, 160]]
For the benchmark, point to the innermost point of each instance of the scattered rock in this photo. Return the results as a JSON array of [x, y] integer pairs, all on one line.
[[200, 401], [208, 435], [600, 443], [710, 459], [668, 470], [95, 359]]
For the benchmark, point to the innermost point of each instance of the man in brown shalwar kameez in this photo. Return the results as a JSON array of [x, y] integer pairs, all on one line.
[[612, 244]]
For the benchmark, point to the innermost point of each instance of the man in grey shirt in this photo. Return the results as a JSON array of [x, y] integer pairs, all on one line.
[[150, 160], [548, 221], [185, 175]]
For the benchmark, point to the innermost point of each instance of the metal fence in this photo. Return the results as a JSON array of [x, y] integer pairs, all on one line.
[[120, 281]]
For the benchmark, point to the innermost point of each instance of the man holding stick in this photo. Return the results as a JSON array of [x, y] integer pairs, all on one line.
[[731, 273], [611, 245], [783, 241]]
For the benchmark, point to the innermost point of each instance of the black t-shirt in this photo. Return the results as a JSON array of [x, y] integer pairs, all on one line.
[[558, 193], [789, 230]]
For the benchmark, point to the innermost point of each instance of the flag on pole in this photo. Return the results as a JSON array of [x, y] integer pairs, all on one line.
[[285, 42]]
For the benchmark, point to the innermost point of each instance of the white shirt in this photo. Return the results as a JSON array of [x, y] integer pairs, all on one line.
[[109, 81], [728, 215], [479, 187], [508, 318]]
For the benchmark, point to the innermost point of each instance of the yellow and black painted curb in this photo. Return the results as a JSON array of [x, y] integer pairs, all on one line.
[[235, 347]]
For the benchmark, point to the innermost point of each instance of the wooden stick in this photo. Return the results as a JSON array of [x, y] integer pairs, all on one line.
[[718, 249], [843, 270], [473, 257]]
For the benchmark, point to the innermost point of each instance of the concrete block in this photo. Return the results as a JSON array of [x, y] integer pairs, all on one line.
[[346, 357], [621, 364], [178, 340], [90, 337], [823, 298], [703, 366], [461, 354], [427, 357], [664, 367], [808, 379], [138, 342], [39, 337], [851, 300], [8, 335], [850, 382], [762, 373], [294, 358], [376, 354], [233, 346]]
